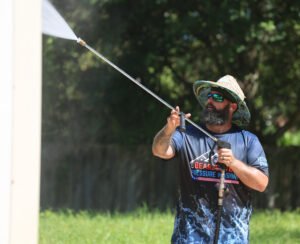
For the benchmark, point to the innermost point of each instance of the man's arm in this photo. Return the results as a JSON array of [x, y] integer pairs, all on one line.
[[161, 146], [250, 176]]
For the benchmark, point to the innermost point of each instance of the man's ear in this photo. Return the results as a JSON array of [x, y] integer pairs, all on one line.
[[233, 107]]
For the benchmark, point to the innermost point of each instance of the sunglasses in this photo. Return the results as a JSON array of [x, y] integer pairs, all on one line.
[[216, 97]]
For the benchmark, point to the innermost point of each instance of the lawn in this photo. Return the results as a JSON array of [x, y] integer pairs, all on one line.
[[142, 226]]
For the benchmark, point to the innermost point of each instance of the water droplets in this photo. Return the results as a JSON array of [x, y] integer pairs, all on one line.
[[54, 24]]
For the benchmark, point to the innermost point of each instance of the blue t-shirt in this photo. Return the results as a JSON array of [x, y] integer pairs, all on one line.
[[199, 183]]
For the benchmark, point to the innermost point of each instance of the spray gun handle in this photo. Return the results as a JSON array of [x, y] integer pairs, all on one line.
[[182, 122], [223, 144]]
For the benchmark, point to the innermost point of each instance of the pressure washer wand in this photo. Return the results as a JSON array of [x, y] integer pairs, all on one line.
[[182, 117], [221, 191]]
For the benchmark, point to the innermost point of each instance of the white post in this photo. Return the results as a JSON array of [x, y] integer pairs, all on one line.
[[5, 117], [20, 120]]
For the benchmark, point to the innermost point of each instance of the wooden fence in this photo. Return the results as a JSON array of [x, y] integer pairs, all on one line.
[[114, 177]]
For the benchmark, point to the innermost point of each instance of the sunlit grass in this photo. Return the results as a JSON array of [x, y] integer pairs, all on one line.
[[275, 227], [140, 226], [143, 226]]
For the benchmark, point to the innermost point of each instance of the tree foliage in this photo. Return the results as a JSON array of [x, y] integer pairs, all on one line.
[[168, 45]]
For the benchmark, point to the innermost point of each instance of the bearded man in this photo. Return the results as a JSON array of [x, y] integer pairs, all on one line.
[[225, 115]]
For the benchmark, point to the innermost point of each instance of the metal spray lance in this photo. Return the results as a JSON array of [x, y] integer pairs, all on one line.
[[182, 115], [219, 143]]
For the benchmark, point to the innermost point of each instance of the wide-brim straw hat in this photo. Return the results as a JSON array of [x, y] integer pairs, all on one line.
[[241, 116]]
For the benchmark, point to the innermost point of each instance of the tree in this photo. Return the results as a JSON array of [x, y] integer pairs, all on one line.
[[169, 45]]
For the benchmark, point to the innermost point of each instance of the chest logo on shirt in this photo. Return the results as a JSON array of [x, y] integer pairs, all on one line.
[[203, 170]]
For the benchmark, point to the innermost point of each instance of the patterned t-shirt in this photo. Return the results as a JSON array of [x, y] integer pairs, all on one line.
[[199, 183]]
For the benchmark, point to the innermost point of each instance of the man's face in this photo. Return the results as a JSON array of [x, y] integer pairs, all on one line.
[[217, 109]]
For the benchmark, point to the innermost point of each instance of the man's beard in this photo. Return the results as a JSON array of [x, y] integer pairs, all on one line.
[[213, 116]]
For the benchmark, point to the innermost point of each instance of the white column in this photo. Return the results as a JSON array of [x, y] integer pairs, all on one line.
[[20, 120], [5, 117]]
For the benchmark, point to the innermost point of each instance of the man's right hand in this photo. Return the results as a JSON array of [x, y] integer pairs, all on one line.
[[162, 141], [173, 121]]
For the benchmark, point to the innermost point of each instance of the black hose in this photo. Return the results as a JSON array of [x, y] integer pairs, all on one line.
[[218, 223]]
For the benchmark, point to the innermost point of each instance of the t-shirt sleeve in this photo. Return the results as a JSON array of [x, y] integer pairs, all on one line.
[[256, 156], [177, 141]]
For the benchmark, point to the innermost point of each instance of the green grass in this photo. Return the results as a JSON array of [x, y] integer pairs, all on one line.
[[142, 226], [275, 227]]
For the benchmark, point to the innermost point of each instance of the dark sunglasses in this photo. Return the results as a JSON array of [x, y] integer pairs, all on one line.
[[216, 97]]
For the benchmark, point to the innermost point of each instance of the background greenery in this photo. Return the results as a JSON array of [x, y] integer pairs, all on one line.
[[168, 45], [93, 116]]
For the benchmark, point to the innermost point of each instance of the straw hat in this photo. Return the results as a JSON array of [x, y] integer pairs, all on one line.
[[229, 85]]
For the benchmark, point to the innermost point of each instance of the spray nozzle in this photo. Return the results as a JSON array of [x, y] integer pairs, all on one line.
[[81, 42]]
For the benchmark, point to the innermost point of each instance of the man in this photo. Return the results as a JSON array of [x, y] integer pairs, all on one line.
[[246, 169]]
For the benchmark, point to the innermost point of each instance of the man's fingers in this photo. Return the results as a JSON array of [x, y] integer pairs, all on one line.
[[175, 114], [176, 110], [174, 118], [188, 115]]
